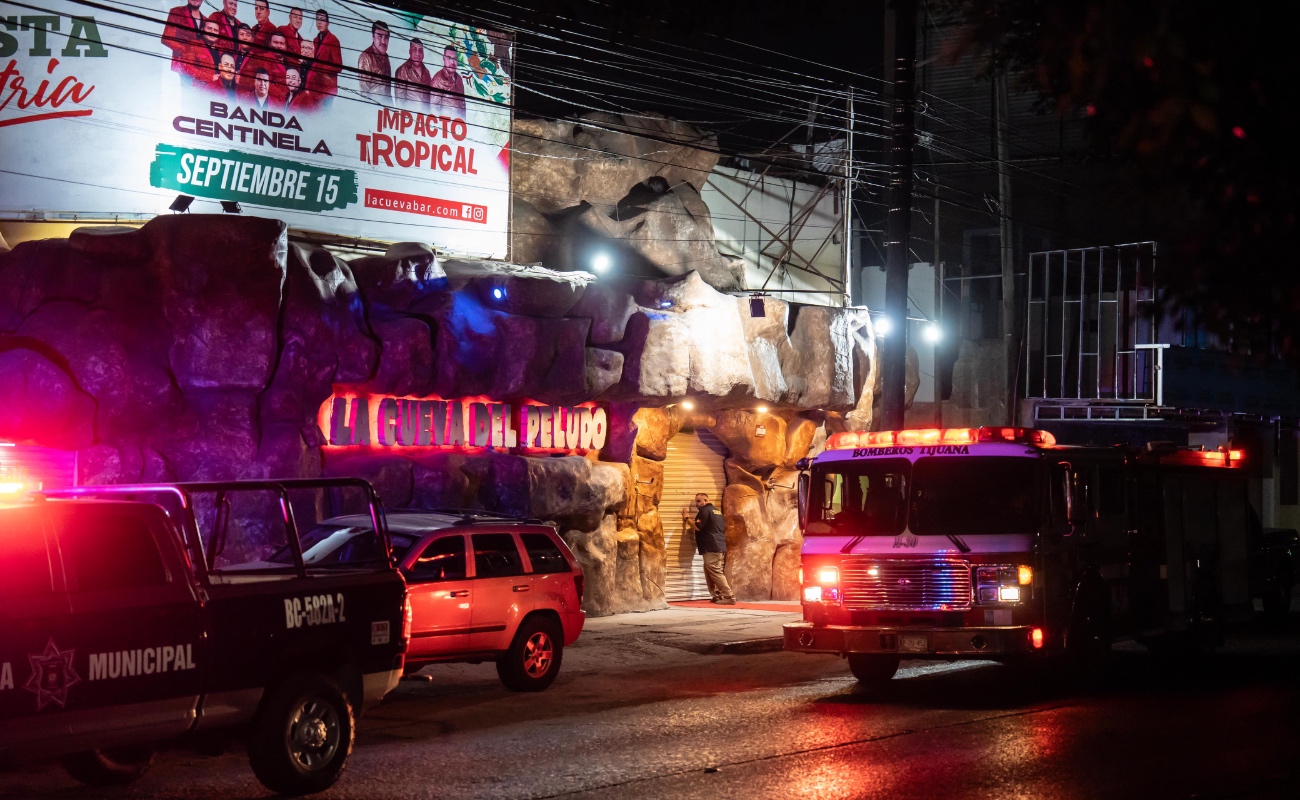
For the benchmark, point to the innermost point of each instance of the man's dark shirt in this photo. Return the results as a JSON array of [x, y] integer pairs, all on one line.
[[710, 530]]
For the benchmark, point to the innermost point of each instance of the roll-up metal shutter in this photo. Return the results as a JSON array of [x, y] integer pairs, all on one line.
[[693, 465]]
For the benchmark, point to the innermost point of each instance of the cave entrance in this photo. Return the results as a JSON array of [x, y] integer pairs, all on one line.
[[694, 464]]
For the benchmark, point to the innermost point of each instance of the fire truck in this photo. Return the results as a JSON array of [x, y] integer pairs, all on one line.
[[998, 543]]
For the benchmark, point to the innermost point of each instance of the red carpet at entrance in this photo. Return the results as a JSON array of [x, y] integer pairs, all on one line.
[[789, 607]]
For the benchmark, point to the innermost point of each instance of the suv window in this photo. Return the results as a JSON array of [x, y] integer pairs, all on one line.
[[330, 544], [496, 556], [24, 562], [545, 554], [442, 560], [107, 548]]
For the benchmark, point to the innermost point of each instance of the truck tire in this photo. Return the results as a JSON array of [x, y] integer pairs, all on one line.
[[873, 669], [116, 766], [533, 660], [303, 735]]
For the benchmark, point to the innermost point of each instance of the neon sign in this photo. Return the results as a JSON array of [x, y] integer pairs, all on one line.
[[387, 422]]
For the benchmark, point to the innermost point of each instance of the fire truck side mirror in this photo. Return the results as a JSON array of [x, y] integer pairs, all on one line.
[[805, 481]]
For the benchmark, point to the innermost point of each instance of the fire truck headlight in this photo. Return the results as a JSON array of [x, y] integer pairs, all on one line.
[[812, 594], [1009, 594], [828, 576], [1025, 575]]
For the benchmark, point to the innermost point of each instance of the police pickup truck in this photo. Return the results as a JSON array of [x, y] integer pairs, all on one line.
[[134, 616]]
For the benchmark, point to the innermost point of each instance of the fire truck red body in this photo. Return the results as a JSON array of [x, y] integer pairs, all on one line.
[[998, 543]]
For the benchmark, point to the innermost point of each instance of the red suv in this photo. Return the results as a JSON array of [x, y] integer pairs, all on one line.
[[482, 588]]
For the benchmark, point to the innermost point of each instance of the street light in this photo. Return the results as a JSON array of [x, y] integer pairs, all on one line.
[[600, 262]]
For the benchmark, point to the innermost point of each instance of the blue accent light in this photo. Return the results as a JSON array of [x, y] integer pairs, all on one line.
[[498, 293], [665, 303]]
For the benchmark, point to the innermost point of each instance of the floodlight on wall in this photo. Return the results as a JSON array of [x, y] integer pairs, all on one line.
[[761, 409], [231, 207], [688, 405], [181, 204], [882, 326], [601, 262], [932, 333]]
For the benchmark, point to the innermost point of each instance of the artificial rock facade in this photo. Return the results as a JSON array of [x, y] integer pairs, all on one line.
[[202, 347]]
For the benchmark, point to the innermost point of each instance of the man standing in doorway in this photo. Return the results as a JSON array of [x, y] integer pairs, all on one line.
[[711, 540]]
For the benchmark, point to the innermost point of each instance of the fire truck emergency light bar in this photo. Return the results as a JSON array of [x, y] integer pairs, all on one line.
[[926, 436]]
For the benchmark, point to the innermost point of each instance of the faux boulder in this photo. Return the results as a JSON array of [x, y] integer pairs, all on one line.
[[669, 229], [558, 164], [760, 501]]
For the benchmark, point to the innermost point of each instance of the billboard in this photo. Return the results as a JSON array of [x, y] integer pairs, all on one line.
[[341, 117]]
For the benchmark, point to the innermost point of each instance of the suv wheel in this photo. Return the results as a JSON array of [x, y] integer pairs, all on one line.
[[873, 670], [116, 766], [303, 736], [533, 660]]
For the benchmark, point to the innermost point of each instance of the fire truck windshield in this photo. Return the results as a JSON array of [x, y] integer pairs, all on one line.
[[980, 494], [936, 496], [866, 497]]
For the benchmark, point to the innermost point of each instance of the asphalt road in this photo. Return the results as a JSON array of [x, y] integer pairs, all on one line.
[[632, 718]]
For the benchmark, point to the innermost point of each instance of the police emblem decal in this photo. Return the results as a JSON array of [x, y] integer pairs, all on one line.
[[52, 675]]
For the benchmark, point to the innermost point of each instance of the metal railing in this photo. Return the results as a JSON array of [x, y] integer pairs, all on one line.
[[1089, 325]]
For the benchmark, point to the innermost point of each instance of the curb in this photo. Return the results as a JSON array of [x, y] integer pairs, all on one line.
[[751, 646]]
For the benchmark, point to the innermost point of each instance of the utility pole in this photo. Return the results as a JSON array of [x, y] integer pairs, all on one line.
[[898, 224], [847, 235], [1010, 355]]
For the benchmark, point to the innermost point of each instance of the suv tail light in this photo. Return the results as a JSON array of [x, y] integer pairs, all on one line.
[[407, 616], [579, 584]]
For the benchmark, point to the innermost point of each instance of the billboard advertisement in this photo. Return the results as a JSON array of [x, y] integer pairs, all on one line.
[[341, 117]]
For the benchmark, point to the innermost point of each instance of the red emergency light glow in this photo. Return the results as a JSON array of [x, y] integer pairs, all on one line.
[[1036, 638], [932, 436], [828, 576], [1203, 458]]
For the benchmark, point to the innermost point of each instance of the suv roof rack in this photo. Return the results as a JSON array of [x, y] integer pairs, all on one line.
[[468, 515]]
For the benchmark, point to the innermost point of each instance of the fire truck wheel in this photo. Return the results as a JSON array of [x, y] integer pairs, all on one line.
[[872, 669], [303, 735], [112, 767]]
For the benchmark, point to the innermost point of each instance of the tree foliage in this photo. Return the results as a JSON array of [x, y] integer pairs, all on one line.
[[1194, 106]]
